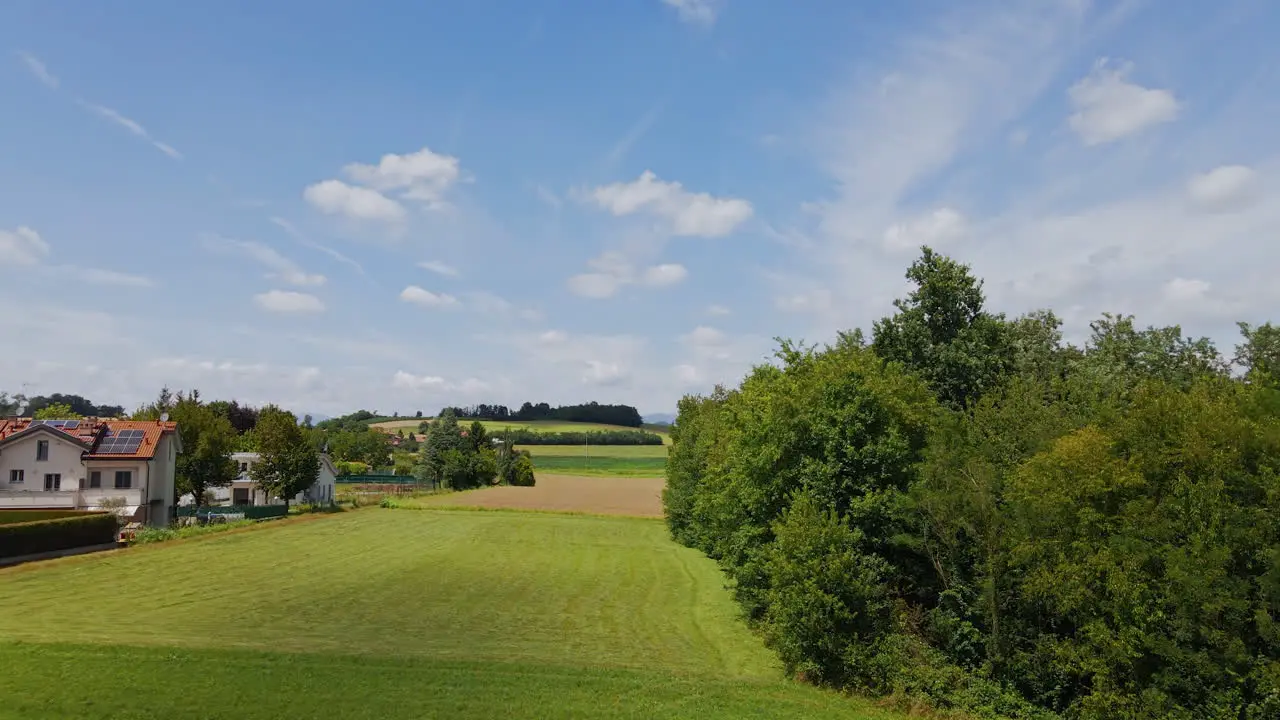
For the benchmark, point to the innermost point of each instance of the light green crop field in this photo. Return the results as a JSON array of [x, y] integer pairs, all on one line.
[[394, 614], [600, 460], [534, 425]]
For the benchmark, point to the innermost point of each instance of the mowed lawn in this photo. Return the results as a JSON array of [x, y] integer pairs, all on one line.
[[390, 614], [600, 460]]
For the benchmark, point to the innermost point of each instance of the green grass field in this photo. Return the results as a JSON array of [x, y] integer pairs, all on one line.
[[394, 614], [600, 460], [535, 425]]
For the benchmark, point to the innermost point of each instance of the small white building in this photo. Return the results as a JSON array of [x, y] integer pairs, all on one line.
[[88, 464], [244, 491]]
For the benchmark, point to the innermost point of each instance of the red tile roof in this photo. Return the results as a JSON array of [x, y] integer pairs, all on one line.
[[91, 431]]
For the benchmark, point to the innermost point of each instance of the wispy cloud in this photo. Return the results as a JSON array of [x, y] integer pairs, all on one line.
[[102, 276], [293, 232], [38, 69], [439, 268], [133, 126], [697, 12], [637, 131], [280, 267]]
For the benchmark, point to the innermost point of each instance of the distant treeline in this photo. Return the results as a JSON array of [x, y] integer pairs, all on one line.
[[521, 436], [80, 406], [592, 412]]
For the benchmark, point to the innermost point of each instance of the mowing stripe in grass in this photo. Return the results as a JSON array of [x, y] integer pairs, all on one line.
[[89, 682]]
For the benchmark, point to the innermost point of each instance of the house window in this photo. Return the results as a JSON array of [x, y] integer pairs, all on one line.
[[124, 479], [244, 467], [53, 481], [95, 479], [42, 450], [16, 477], [240, 496]]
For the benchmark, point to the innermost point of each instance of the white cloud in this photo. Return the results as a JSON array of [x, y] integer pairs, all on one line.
[[281, 267], [335, 197], [304, 241], [687, 374], [439, 268], [423, 175], [1185, 290], [690, 214], [133, 126], [285, 301], [595, 285], [718, 310], [552, 337], [698, 12], [813, 301], [935, 229], [426, 298], [167, 149], [1108, 107], [409, 381], [1224, 189], [39, 69], [547, 196], [604, 373], [666, 274], [417, 383], [22, 246], [703, 336], [101, 276]]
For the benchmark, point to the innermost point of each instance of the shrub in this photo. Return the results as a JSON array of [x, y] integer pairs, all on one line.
[[522, 471], [151, 535], [41, 536], [827, 601]]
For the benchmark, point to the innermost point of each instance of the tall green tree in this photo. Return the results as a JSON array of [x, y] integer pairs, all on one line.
[[208, 439], [59, 411], [288, 462], [942, 332], [10, 404], [1259, 354]]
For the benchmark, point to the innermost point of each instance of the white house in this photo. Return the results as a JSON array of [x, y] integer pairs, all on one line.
[[244, 491], [88, 464]]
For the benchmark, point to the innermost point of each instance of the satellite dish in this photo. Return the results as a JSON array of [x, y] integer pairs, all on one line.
[[164, 417]]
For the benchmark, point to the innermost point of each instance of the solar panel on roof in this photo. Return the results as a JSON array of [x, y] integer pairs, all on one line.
[[122, 442]]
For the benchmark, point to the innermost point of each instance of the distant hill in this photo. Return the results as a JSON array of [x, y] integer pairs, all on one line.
[[659, 419]]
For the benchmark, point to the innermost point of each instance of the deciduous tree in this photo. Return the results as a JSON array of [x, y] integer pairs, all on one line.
[[288, 463]]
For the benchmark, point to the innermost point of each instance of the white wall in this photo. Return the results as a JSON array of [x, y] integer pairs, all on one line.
[[64, 458]]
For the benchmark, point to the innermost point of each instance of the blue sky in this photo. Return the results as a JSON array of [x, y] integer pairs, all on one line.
[[332, 205]]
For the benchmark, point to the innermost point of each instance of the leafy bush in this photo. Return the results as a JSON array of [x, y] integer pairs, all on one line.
[[389, 503], [826, 601], [63, 533], [152, 535]]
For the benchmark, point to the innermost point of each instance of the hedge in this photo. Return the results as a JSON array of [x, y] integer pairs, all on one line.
[[521, 436], [40, 536]]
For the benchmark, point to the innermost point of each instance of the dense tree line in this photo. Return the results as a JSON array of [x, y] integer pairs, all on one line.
[[462, 459], [522, 436], [78, 406], [970, 512], [592, 412]]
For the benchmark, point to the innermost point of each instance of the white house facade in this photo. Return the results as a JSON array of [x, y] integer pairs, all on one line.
[[244, 491], [89, 464]]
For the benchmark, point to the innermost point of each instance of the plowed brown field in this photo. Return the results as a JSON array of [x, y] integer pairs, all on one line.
[[637, 497]]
